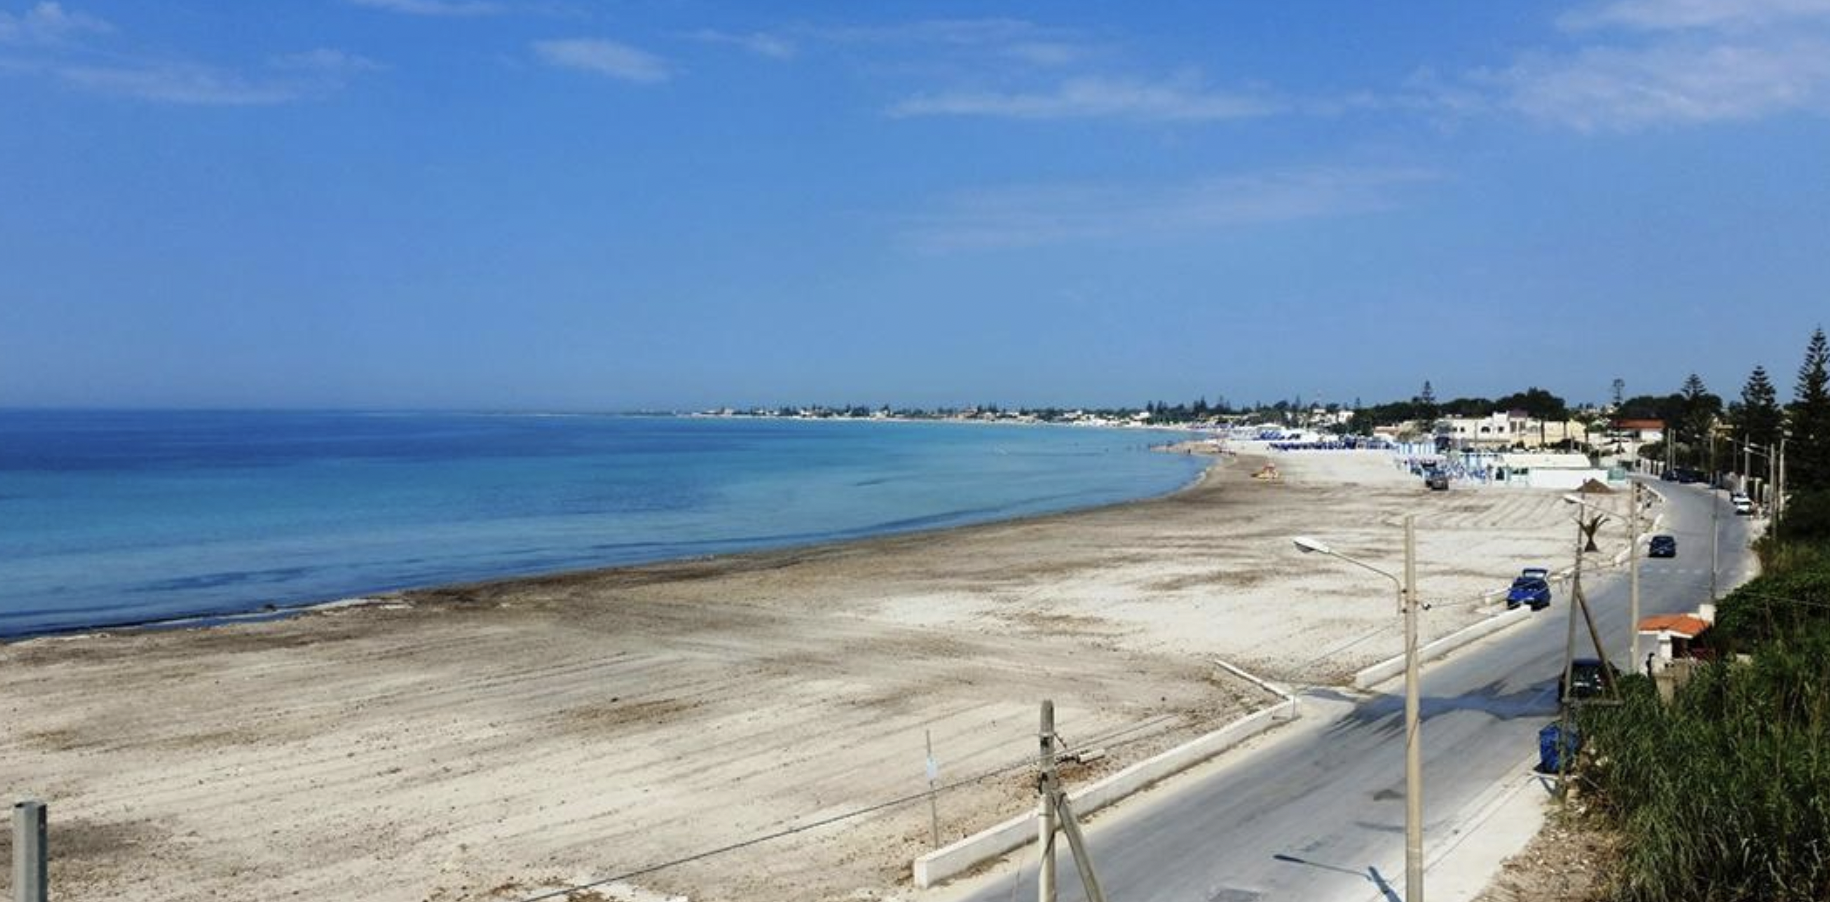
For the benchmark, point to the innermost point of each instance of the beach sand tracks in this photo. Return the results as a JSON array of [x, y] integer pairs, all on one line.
[[1206, 579], [1055, 623]]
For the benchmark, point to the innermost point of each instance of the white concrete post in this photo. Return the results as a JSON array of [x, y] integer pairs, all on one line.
[[31, 880]]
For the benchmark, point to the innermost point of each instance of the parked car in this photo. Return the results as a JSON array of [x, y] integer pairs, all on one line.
[[1662, 546], [1744, 506], [1585, 679], [1528, 590]]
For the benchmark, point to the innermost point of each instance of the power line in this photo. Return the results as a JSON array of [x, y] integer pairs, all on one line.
[[848, 815]]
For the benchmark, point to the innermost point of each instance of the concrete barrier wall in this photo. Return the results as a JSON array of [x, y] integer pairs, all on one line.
[[951, 861], [1391, 667]]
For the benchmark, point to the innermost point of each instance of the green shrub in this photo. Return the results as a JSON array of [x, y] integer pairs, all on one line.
[[1807, 516], [1723, 795]]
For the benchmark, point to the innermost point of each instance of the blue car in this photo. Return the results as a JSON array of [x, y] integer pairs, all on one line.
[[1661, 546], [1528, 590]]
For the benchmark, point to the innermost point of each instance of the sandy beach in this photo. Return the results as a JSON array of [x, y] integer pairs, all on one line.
[[487, 742]]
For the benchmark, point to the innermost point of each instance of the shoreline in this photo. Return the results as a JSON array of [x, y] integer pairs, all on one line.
[[272, 611], [469, 743]]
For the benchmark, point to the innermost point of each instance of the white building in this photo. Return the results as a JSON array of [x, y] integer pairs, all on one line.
[[1493, 429], [1547, 471]]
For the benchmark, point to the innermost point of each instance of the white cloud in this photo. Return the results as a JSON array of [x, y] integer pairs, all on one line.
[[48, 23], [604, 57], [287, 78], [327, 61], [450, 8], [185, 83], [971, 41], [1660, 15], [1624, 89], [1640, 64], [963, 32], [1045, 53], [761, 43], [1183, 99], [54, 49], [1056, 214]]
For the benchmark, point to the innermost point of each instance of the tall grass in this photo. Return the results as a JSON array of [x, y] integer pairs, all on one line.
[[1724, 794]]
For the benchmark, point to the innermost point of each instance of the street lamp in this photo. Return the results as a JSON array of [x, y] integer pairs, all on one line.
[[1773, 496], [1633, 537], [1413, 755], [1715, 512]]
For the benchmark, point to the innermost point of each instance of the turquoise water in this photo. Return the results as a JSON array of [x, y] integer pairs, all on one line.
[[126, 517]]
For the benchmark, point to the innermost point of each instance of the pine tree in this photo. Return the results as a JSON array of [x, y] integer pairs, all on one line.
[[1700, 409], [1808, 452], [1427, 411], [1760, 418]]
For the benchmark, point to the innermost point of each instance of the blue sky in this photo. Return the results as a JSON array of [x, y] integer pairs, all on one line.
[[681, 203]]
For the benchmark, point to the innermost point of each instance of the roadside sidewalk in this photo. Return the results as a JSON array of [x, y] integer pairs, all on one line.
[[1493, 829]]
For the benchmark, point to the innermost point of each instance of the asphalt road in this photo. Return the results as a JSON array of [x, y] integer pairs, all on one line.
[[1317, 812]]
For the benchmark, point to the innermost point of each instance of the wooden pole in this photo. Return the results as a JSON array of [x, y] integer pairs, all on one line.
[[1633, 582], [1569, 668], [1413, 724], [1077, 844], [1045, 816]]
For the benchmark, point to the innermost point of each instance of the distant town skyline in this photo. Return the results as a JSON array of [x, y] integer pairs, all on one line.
[[551, 204]]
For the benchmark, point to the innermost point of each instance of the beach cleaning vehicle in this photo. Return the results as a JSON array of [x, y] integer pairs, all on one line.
[[1438, 481], [1533, 591], [1542, 573], [1662, 546]]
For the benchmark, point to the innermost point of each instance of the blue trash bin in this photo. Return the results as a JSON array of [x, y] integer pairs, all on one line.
[[1551, 747]]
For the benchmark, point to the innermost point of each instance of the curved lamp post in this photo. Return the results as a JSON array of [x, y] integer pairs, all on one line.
[[1413, 760]]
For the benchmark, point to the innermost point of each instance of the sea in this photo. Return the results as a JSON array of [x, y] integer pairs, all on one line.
[[135, 517]]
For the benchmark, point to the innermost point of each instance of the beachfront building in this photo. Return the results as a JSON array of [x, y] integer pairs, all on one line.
[[1626, 436], [1637, 431], [1512, 429], [1556, 434], [1539, 470], [1496, 430]]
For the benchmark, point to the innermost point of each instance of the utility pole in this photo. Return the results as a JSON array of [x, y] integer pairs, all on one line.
[[933, 777], [1569, 668], [1045, 816], [1408, 605], [1779, 497], [1768, 498], [1056, 810], [31, 877], [1579, 602], [1633, 581], [1413, 726], [1715, 514]]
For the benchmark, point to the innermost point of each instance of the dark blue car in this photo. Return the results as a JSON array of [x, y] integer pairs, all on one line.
[[1661, 546], [1528, 590]]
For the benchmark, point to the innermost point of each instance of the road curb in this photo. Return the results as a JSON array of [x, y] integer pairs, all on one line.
[[950, 861]]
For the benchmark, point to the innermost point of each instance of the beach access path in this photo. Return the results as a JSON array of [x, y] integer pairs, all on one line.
[[490, 741]]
